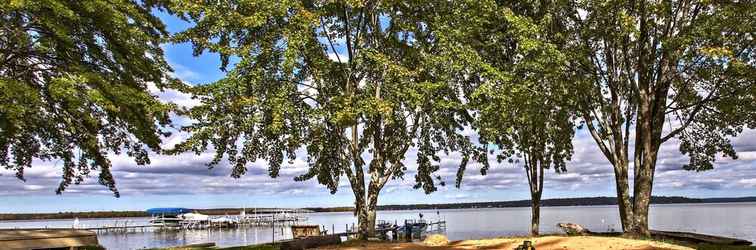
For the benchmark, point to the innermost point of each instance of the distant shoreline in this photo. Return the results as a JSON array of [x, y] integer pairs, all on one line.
[[560, 202]]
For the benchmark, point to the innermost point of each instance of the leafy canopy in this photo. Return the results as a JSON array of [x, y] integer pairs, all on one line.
[[513, 76], [687, 68], [344, 80], [74, 83]]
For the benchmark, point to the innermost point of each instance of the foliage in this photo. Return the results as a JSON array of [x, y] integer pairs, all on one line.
[[519, 91], [343, 80], [664, 70], [74, 85], [698, 55]]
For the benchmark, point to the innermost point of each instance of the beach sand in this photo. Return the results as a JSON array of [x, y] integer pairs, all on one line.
[[540, 243]]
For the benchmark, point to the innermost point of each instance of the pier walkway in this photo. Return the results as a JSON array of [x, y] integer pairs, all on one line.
[[46, 238]]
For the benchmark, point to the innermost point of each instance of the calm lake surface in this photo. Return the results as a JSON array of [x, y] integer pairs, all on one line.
[[733, 219]]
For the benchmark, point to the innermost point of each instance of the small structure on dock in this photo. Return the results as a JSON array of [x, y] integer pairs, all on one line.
[[304, 231], [47, 238], [413, 229], [182, 218]]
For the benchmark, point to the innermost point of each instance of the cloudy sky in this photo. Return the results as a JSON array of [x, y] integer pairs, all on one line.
[[186, 181]]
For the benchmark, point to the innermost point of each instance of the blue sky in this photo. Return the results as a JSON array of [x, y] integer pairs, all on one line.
[[185, 181]]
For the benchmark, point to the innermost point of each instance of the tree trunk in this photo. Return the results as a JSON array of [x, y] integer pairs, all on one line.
[[366, 222], [617, 156], [650, 121], [642, 193], [362, 215], [644, 178], [371, 222], [534, 170], [366, 214], [623, 195], [535, 214]]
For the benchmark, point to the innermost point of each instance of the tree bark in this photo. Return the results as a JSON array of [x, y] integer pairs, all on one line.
[[361, 212], [535, 214], [644, 176], [365, 210], [617, 156], [371, 210], [623, 195], [650, 121], [534, 171]]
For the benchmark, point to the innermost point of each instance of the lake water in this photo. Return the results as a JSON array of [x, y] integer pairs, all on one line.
[[734, 220]]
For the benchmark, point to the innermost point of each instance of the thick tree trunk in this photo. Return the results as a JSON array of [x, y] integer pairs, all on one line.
[[366, 222], [648, 139], [535, 214], [372, 205], [624, 202], [617, 155], [642, 193], [360, 210], [644, 174], [366, 214], [371, 222], [640, 210]]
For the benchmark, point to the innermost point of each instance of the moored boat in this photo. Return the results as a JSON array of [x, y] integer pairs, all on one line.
[[167, 217]]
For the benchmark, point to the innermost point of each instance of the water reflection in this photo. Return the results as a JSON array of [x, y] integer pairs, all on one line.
[[734, 220]]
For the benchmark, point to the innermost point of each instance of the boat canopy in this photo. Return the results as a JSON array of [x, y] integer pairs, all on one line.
[[167, 211]]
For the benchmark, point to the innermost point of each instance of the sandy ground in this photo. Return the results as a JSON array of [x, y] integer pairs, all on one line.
[[541, 243]]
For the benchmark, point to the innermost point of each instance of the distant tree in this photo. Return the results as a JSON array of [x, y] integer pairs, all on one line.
[[74, 81], [651, 71], [529, 125], [521, 95], [345, 80]]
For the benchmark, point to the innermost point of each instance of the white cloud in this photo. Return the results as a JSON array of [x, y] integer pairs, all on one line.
[[338, 57], [184, 73]]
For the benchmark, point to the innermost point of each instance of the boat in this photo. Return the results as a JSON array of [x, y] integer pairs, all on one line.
[[223, 222], [167, 217], [193, 217]]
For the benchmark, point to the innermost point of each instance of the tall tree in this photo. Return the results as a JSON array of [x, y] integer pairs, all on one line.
[[74, 81], [520, 93], [345, 80], [531, 124], [656, 70]]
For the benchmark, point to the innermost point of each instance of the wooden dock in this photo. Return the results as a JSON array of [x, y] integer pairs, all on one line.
[[120, 229], [699, 238], [46, 238]]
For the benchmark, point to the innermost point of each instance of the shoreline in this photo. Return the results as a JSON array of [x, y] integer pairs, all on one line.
[[9, 217], [543, 242]]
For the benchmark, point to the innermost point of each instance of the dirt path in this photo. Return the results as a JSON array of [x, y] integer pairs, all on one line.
[[541, 243]]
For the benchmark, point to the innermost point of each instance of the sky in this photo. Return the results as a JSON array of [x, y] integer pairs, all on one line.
[[186, 181]]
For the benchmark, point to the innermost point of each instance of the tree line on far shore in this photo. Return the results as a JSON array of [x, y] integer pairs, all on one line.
[[356, 86], [558, 202]]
